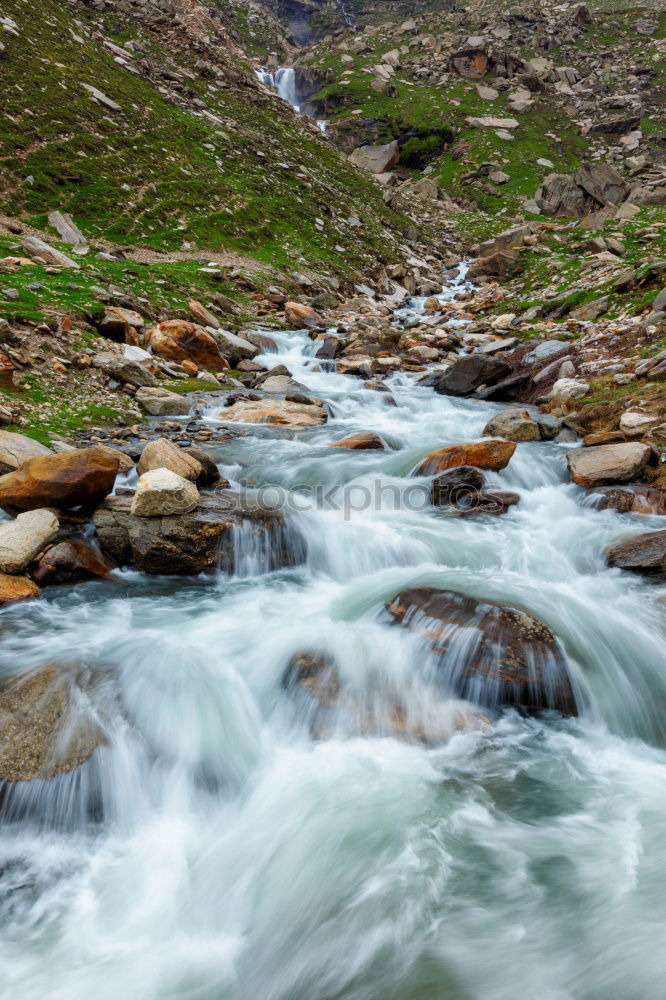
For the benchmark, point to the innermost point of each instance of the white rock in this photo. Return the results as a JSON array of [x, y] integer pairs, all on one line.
[[568, 388], [22, 539], [633, 423], [161, 493]]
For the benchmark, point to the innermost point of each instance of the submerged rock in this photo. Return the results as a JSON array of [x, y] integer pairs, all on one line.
[[79, 478], [204, 539], [641, 554], [46, 725], [489, 653]]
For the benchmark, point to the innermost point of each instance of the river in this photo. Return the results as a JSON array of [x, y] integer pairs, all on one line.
[[214, 850]]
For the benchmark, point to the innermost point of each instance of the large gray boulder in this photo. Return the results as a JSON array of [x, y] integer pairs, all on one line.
[[467, 374], [376, 159], [603, 183], [559, 195], [16, 449], [640, 554], [22, 539], [608, 463]]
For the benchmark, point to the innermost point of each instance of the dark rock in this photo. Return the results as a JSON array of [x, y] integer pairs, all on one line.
[[489, 653], [603, 183], [68, 562], [640, 554], [469, 373], [458, 485]]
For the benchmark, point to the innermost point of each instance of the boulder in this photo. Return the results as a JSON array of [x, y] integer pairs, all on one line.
[[494, 455], [640, 554], [499, 264], [471, 63], [161, 493], [302, 317], [210, 474], [467, 374], [234, 348], [489, 653], [560, 195], [78, 478], [69, 562], [376, 159], [125, 463], [634, 423], [46, 726], [17, 588], [203, 315], [603, 183], [22, 539], [567, 388], [608, 463], [44, 253], [461, 484], [514, 425], [164, 454], [364, 440], [124, 370], [118, 322], [160, 402], [178, 340], [17, 449], [199, 541], [280, 412]]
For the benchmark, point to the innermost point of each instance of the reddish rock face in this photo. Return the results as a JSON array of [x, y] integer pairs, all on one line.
[[69, 562], [178, 340], [16, 588], [72, 479], [493, 455], [302, 316], [492, 654]]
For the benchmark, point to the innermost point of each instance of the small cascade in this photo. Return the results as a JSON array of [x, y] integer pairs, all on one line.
[[345, 15], [283, 81]]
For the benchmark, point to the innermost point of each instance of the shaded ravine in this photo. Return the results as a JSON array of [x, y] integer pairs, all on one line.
[[214, 849]]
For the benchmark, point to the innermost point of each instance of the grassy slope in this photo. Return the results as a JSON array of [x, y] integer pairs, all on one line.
[[153, 173]]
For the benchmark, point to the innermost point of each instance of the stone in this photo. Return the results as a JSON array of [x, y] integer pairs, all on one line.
[[124, 370], [471, 63], [467, 374], [199, 541], [489, 121], [607, 463], [489, 653], [164, 454], [514, 425], [559, 195], [487, 93], [17, 449], [178, 340], [235, 348], [634, 423], [78, 478], [44, 253], [545, 350], [494, 455], [162, 493], [281, 412], [602, 182], [116, 322], [46, 726], [376, 159], [125, 463], [459, 485], [69, 562], [592, 310], [302, 317], [67, 230], [160, 402], [210, 474], [17, 588], [363, 441], [501, 264], [640, 554], [203, 315], [567, 388], [23, 538]]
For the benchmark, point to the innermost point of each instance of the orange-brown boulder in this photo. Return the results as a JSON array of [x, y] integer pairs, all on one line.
[[179, 340], [492, 454], [79, 478], [364, 440], [302, 316], [16, 588], [69, 562]]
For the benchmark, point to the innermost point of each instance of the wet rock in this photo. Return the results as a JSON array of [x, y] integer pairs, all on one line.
[[202, 540], [514, 425], [461, 484], [125, 463], [608, 463], [179, 340], [78, 478], [69, 562], [17, 588], [23, 538], [281, 412], [376, 159], [17, 449], [467, 374], [635, 499], [161, 493], [210, 474], [45, 730], [489, 653], [640, 554], [234, 348], [364, 440], [494, 455], [160, 402], [302, 317], [164, 454]]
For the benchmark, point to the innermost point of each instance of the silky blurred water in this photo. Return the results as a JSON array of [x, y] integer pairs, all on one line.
[[214, 849]]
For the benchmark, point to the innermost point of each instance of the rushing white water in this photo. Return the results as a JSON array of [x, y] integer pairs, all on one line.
[[214, 849], [284, 82]]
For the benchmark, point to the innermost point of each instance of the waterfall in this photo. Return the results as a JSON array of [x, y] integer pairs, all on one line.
[[283, 81]]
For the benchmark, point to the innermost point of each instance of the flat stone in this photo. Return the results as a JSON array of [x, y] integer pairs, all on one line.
[[162, 493], [608, 463], [23, 538]]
